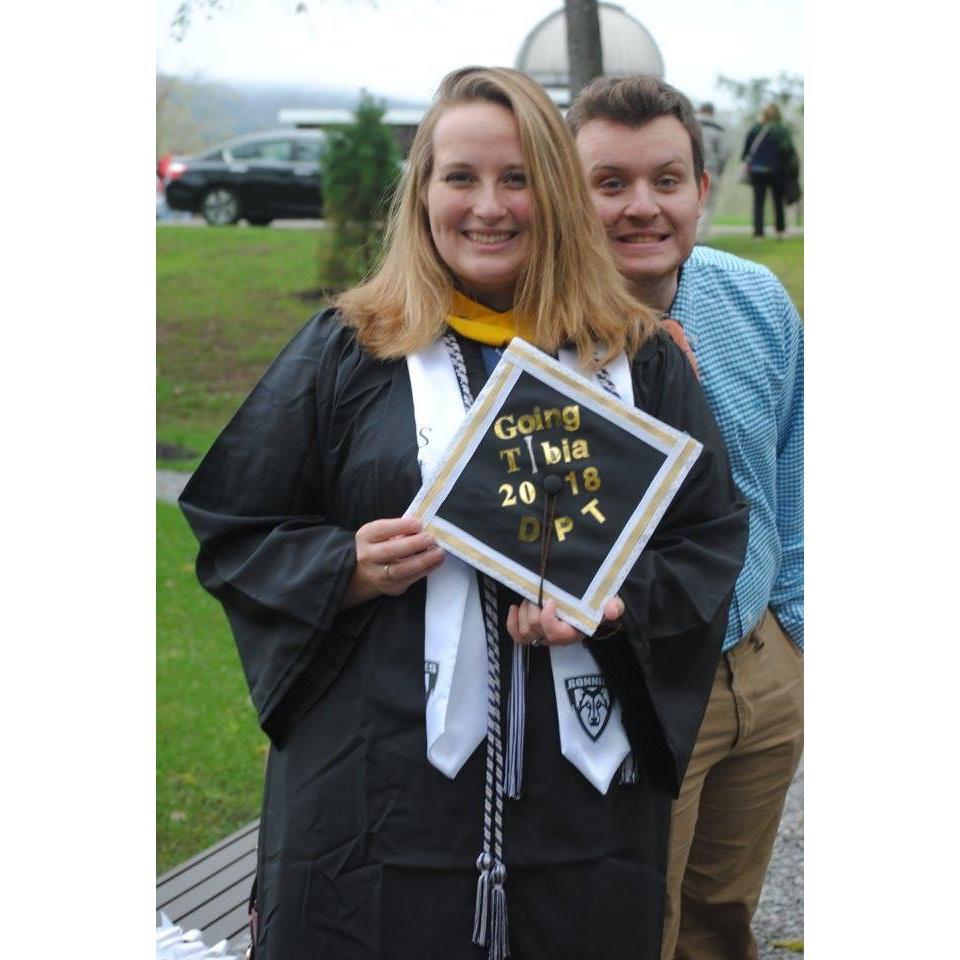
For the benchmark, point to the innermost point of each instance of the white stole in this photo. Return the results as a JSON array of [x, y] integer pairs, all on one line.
[[455, 659]]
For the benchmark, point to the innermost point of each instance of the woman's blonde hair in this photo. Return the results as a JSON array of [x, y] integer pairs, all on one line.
[[771, 113], [569, 291]]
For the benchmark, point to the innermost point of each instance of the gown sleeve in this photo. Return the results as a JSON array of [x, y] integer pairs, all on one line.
[[267, 551], [662, 664]]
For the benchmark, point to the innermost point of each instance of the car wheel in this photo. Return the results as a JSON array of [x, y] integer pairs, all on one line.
[[220, 207], [259, 221]]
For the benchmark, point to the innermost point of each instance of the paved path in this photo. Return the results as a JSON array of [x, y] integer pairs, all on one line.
[[170, 484], [745, 230], [780, 913]]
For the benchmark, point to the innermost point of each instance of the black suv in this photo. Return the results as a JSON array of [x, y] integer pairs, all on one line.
[[260, 177]]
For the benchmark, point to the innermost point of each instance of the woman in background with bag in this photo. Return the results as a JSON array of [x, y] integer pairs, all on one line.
[[768, 156]]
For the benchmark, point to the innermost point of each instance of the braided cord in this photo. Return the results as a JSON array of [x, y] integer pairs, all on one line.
[[606, 381], [490, 912]]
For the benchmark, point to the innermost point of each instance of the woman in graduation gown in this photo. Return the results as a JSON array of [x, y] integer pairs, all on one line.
[[367, 850]]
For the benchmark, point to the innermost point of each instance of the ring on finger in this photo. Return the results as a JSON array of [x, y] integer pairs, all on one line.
[[536, 640], [386, 570]]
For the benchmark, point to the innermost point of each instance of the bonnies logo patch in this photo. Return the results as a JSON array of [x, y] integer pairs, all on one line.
[[590, 700], [430, 669]]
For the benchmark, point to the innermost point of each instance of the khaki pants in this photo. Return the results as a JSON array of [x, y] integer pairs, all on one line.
[[725, 820]]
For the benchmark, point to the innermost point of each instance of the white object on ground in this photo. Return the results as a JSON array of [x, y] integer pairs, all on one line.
[[175, 944]]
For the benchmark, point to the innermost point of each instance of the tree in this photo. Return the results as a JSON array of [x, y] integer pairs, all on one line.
[[584, 51], [361, 170], [186, 120], [785, 90]]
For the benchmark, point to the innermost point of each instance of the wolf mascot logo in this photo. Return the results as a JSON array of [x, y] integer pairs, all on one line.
[[430, 668], [590, 699]]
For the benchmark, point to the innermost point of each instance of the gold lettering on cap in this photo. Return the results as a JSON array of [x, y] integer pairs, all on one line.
[[505, 432], [563, 525], [529, 529], [511, 454], [594, 510]]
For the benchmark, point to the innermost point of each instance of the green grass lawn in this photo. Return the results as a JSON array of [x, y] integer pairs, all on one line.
[[210, 751], [226, 303], [227, 300], [783, 257]]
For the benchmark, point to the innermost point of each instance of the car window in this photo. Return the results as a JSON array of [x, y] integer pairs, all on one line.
[[213, 155], [310, 150], [263, 150]]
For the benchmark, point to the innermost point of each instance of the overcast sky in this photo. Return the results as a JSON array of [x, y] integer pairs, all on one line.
[[402, 48]]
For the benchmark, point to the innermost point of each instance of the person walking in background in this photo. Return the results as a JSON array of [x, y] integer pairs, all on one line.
[[768, 152], [642, 154], [716, 152]]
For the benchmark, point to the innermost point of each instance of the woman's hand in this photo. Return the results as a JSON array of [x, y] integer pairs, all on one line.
[[529, 624], [391, 555]]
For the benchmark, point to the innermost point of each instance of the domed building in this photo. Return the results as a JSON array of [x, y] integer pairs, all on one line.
[[628, 48]]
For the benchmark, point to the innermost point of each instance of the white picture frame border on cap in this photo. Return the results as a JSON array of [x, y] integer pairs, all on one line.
[[680, 449]]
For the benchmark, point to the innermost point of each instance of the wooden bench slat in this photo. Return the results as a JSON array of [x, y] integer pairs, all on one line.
[[208, 861], [209, 869], [234, 928], [210, 892], [207, 915], [193, 899]]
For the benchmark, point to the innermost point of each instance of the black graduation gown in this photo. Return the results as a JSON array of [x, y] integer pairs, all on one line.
[[366, 851]]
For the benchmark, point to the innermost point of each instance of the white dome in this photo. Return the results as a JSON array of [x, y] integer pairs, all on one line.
[[627, 46]]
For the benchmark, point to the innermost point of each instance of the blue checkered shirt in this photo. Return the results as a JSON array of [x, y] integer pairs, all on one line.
[[748, 341]]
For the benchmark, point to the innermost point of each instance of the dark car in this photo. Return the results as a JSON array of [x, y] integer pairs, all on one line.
[[260, 177]]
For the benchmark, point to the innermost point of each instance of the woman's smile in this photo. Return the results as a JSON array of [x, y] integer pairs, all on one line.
[[488, 239], [479, 201]]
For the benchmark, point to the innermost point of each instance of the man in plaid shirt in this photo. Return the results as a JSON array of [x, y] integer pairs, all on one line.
[[642, 154]]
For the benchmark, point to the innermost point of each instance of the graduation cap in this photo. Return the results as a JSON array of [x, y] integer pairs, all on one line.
[[552, 486]]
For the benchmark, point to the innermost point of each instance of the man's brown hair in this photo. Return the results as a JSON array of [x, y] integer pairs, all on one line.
[[634, 102]]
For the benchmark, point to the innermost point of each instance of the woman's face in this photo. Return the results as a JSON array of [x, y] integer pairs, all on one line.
[[479, 201]]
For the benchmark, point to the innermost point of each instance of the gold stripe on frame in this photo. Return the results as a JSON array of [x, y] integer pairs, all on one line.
[[628, 545], [473, 555], [454, 456], [603, 398]]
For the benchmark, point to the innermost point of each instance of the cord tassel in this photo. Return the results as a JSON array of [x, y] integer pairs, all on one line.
[[517, 720], [628, 774], [517, 708], [481, 912], [500, 941]]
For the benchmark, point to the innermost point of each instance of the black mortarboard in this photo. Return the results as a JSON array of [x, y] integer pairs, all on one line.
[[552, 486]]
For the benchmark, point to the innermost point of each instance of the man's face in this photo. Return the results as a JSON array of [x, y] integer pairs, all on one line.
[[645, 191]]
